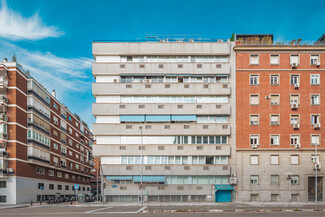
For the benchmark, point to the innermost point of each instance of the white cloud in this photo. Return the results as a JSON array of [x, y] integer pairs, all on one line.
[[14, 26]]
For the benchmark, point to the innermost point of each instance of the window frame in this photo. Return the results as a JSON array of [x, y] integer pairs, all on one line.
[[274, 64], [250, 96], [278, 79], [250, 60], [277, 135], [257, 79], [258, 120]]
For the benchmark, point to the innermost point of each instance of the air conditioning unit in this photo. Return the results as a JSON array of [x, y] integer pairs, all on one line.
[[56, 164], [10, 170], [318, 166], [296, 86], [295, 126], [294, 65], [254, 146], [294, 105], [318, 63], [267, 97], [297, 146], [314, 144], [233, 180], [316, 126], [115, 80]]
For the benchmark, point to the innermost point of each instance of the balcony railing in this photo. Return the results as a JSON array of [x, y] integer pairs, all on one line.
[[3, 99], [39, 127], [3, 136], [3, 117], [38, 159], [64, 141]]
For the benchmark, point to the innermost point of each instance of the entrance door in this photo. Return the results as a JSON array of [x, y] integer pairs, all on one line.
[[223, 196], [311, 188]]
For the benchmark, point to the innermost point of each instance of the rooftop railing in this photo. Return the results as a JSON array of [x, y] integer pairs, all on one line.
[[297, 42]]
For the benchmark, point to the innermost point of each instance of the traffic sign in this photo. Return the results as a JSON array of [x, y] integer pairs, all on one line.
[[76, 186], [42, 188]]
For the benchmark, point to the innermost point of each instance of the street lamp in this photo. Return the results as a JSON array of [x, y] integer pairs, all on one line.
[[141, 165], [96, 170], [316, 164]]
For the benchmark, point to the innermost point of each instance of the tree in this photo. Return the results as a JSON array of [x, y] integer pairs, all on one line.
[[14, 59], [232, 37]]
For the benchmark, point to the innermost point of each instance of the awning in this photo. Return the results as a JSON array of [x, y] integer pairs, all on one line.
[[208, 75], [222, 75], [171, 75], [158, 118], [224, 187], [139, 75], [124, 75], [149, 178], [196, 75], [154, 75], [183, 117], [132, 118], [118, 177]]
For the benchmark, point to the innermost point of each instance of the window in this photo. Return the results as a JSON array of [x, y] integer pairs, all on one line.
[[275, 59], [314, 99], [59, 187], [315, 159], [274, 179], [294, 79], [314, 79], [274, 159], [314, 140], [275, 120], [51, 186], [295, 180], [294, 60], [275, 99], [294, 119], [253, 79], [254, 197], [294, 159], [275, 139], [254, 59], [294, 139], [254, 179], [294, 197], [294, 99], [314, 59], [254, 139], [254, 100], [275, 79], [3, 184], [66, 176], [40, 185], [67, 187], [59, 174], [55, 106], [70, 119], [254, 159], [55, 146], [40, 171], [274, 197], [51, 173], [314, 119], [3, 199], [254, 120]]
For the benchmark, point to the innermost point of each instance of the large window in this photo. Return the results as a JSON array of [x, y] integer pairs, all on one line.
[[171, 59], [174, 139], [314, 79], [31, 134], [254, 180]]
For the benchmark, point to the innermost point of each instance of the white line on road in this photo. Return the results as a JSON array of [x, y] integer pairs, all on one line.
[[91, 211], [140, 210]]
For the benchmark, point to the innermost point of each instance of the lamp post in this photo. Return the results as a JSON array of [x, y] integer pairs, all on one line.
[[316, 163], [141, 165]]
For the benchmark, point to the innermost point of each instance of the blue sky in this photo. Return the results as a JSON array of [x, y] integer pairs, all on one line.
[[53, 38]]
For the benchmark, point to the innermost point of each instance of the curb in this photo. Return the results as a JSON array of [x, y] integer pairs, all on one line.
[[236, 210]]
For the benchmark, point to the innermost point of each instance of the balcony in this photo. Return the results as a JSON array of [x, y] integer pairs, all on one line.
[[38, 143], [4, 154], [3, 136], [30, 107], [162, 129], [3, 99], [171, 68], [63, 141], [3, 144], [38, 159], [161, 89], [38, 97], [39, 127], [3, 117], [157, 109]]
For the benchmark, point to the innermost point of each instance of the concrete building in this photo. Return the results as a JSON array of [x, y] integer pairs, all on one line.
[[280, 106], [43, 145], [172, 102]]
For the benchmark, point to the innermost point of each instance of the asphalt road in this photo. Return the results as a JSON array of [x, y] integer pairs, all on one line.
[[135, 211]]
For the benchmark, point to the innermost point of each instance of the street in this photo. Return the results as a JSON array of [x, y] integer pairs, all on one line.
[[131, 211]]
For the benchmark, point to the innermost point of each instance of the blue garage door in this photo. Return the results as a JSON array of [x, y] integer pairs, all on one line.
[[223, 196]]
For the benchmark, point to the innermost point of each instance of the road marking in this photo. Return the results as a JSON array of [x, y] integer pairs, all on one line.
[[91, 211], [140, 210]]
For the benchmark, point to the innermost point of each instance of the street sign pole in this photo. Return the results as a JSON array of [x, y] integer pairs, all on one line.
[[76, 196]]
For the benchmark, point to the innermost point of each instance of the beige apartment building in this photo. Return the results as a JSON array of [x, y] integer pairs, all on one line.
[[165, 116]]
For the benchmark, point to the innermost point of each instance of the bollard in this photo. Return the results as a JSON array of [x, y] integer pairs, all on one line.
[[31, 203], [40, 202], [71, 202]]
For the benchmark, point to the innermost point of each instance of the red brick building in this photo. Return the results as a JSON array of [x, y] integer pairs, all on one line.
[[44, 147], [280, 113]]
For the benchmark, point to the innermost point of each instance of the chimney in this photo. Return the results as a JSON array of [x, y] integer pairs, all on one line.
[[54, 93], [5, 60]]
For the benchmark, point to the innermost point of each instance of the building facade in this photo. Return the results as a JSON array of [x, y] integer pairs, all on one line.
[[44, 146], [280, 101], [172, 102]]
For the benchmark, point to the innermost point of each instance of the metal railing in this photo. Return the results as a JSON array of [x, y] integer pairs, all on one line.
[[297, 42]]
